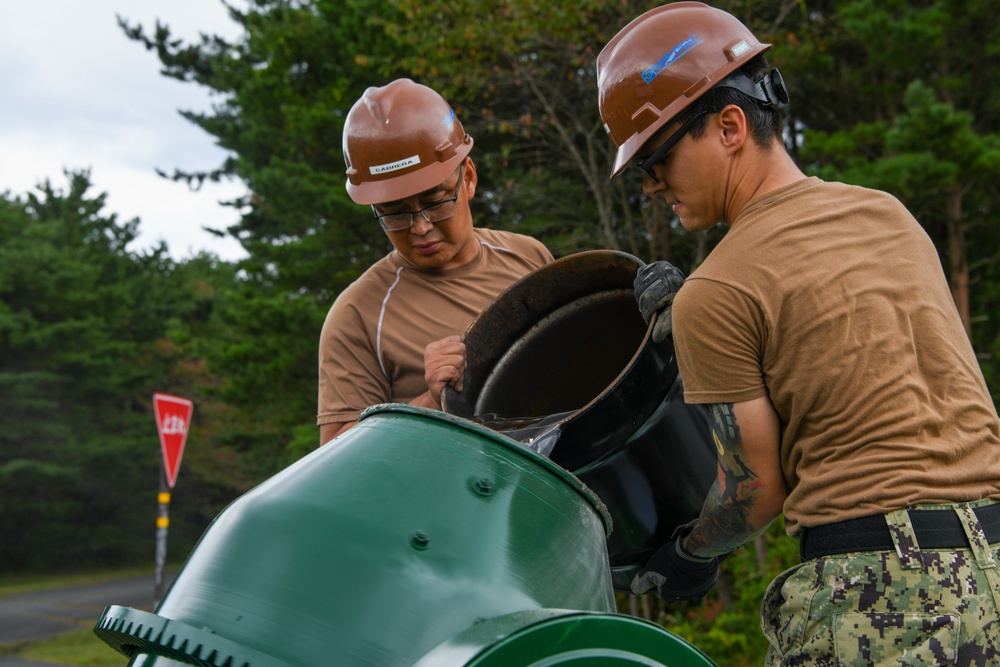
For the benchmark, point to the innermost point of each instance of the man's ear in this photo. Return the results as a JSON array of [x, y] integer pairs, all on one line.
[[732, 125], [469, 177]]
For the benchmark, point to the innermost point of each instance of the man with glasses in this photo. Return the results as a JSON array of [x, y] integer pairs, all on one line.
[[821, 334], [394, 335]]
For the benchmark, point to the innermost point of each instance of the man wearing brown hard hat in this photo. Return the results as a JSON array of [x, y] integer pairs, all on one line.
[[820, 333], [394, 335]]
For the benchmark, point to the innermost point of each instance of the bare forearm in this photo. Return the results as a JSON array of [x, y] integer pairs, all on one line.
[[748, 493], [426, 400], [328, 432]]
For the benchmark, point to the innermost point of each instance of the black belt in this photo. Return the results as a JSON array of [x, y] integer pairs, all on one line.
[[934, 529]]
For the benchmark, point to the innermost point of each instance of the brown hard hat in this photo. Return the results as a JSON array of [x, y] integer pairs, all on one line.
[[400, 140], [660, 63]]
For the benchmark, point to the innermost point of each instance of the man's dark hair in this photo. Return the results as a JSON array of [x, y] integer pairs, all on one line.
[[763, 120]]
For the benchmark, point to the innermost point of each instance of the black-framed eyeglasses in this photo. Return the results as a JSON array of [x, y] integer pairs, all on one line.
[[436, 212], [647, 163]]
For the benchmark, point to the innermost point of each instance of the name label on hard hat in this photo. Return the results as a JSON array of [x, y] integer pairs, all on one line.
[[395, 166], [670, 57]]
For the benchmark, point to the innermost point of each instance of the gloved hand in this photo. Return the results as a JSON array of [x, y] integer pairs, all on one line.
[[656, 285], [676, 574]]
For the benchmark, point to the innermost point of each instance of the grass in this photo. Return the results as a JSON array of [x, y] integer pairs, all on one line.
[[79, 647], [26, 583]]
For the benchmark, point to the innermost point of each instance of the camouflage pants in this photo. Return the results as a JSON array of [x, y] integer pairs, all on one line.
[[902, 608]]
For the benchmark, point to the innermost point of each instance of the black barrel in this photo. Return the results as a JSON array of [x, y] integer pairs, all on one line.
[[563, 362]]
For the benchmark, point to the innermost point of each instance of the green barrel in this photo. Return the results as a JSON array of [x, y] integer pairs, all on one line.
[[375, 550], [559, 638]]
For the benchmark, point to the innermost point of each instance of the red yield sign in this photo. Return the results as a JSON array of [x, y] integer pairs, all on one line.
[[173, 416]]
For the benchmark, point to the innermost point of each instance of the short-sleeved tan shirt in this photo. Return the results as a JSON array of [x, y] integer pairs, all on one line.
[[371, 348], [831, 300]]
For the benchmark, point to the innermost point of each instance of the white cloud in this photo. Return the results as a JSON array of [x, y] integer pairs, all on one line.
[[76, 93]]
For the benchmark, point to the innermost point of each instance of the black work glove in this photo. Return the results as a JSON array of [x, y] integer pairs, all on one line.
[[656, 285], [676, 574]]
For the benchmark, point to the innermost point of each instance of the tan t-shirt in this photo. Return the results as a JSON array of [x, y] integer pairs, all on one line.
[[831, 300], [371, 348]]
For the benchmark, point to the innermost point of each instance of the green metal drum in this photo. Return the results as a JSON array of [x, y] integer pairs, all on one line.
[[551, 638], [402, 534]]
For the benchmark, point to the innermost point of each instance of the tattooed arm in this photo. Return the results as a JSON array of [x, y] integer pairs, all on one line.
[[749, 491]]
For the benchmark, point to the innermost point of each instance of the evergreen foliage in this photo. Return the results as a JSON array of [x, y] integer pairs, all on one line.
[[88, 331]]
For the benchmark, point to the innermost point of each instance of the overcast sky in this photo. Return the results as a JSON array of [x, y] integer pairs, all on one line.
[[76, 93]]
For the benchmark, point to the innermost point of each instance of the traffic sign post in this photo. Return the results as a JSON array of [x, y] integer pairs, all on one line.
[[173, 416]]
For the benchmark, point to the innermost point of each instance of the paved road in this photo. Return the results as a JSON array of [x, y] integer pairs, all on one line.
[[44, 614]]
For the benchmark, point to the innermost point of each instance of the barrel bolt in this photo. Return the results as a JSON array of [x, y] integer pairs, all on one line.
[[420, 540]]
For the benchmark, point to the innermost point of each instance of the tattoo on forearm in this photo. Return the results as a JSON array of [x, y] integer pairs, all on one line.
[[735, 490]]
